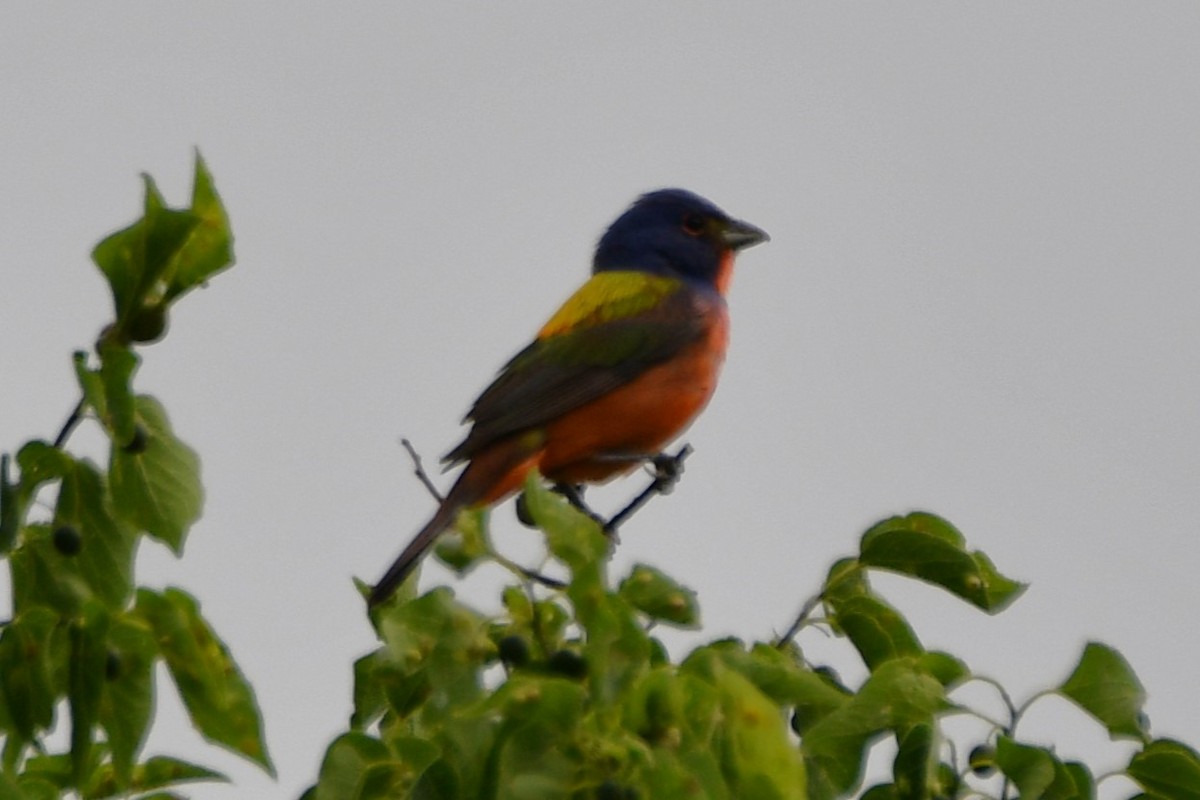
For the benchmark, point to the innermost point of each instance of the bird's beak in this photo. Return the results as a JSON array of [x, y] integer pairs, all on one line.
[[738, 235]]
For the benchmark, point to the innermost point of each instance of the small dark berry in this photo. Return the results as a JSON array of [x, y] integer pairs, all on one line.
[[112, 665], [609, 790], [567, 663], [514, 651], [67, 540], [982, 760]]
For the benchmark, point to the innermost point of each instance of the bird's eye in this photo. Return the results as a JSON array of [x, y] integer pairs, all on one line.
[[693, 224]]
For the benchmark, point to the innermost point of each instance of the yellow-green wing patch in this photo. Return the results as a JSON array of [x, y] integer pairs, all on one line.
[[609, 296]]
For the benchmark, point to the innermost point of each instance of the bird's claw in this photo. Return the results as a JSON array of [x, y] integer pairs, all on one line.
[[668, 469]]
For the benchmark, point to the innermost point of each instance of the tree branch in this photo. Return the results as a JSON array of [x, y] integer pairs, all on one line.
[[802, 617], [75, 417], [419, 469], [668, 469]]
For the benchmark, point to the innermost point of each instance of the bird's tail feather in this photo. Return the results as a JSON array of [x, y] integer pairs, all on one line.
[[404, 564], [491, 476]]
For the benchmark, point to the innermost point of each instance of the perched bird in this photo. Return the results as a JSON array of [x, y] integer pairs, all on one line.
[[621, 369]]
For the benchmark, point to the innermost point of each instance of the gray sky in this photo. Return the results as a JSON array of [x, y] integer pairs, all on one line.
[[980, 299]]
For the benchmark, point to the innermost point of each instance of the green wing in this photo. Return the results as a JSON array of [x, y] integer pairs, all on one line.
[[563, 371]]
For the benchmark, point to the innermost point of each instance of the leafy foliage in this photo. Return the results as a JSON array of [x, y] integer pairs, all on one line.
[[566, 692], [84, 639]]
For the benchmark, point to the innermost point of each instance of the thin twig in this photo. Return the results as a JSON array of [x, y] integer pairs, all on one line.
[[1020, 712], [668, 469], [74, 419], [525, 572], [419, 469], [1014, 713], [802, 617]]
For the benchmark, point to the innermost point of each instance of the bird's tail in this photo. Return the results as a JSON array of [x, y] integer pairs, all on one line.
[[490, 477], [404, 564]]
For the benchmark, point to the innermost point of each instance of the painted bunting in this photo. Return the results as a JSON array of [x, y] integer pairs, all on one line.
[[621, 369]]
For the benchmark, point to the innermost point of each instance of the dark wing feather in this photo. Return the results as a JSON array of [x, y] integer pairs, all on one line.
[[562, 372]]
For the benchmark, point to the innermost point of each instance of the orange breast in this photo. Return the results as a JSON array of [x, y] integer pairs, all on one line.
[[615, 433]]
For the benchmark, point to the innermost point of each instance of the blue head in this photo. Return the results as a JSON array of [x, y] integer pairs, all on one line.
[[675, 233]]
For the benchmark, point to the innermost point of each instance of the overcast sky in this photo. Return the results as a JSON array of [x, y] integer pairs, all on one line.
[[980, 299]]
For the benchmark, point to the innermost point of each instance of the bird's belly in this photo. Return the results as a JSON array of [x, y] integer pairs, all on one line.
[[614, 433]]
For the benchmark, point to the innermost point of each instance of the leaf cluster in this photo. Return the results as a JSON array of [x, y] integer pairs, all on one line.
[[565, 692], [909, 691], [84, 640]]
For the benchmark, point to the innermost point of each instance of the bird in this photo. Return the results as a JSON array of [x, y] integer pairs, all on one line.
[[620, 370]]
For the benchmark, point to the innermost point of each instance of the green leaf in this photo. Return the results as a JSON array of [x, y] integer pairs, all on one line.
[[845, 579], [1104, 685], [33, 788], [535, 786], [369, 699], [101, 563], [757, 756], [881, 791], [157, 772], [616, 647], [209, 249], [930, 548], [9, 790], [87, 635], [466, 542], [877, 630], [117, 365], [573, 537], [416, 754], [915, 768], [27, 668], [218, 699], [128, 699], [1085, 783], [434, 645], [136, 260], [660, 597], [949, 670], [536, 749], [1037, 772], [898, 694], [777, 674], [158, 488], [350, 769], [1167, 769], [105, 560], [52, 769], [654, 706], [40, 462]]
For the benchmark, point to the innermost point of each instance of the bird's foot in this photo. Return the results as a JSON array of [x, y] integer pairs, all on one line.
[[667, 470]]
